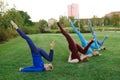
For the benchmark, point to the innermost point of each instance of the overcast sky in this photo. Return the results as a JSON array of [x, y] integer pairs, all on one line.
[[45, 9]]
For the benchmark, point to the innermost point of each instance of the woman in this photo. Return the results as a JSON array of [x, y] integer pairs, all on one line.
[[37, 53], [100, 44], [84, 42], [74, 48]]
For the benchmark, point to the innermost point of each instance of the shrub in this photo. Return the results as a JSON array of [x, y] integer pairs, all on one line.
[[107, 29], [30, 30], [3, 35]]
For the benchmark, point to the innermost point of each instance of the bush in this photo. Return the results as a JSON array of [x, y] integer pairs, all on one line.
[[12, 34], [6, 34], [107, 29], [3, 35], [31, 30]]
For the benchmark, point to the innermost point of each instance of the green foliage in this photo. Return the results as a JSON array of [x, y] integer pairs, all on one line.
[[16, 53], [106, 20], [71, 18], [14, 15], [26, 18], [3, 35], [6, 34], [54, 26], [42, 24], [64, 21], [3, 6], [94, 20], [5, 26], [6, 15], [30, 30], [115, 20], [107, 29]]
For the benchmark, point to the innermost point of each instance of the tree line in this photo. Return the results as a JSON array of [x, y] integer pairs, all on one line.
[[22, 19]]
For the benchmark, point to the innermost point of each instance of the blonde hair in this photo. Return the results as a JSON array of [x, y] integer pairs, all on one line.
[[50, 67]]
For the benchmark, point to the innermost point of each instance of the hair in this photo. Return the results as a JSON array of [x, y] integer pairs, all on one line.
[[50, 66]]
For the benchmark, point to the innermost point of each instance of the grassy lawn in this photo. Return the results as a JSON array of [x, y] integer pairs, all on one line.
[[15, 54]]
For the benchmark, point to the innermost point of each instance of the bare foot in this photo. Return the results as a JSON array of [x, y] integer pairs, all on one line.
[[13, 24], [52, 44]]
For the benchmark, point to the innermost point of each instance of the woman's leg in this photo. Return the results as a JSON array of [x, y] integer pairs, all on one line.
[[32, 46], [82, 39], [102, 42], [91, 29], [72, 46], [34, 49], [22, 34], [37, 60], [95, 45], [67, 36]]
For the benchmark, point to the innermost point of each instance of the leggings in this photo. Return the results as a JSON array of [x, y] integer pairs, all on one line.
[[83, 40], [81, 37], [74, 47], [94, 36], [36, 54]]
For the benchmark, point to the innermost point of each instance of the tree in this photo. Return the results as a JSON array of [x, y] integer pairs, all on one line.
[[72, 18], [26, 18], [54, 26], [64, 21], [14, 15], [3, 7], [106, 20], [42, 24], [95, 20], [115, 19]]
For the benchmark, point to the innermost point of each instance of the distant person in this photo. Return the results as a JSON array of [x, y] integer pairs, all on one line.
[[74, 48], [99, 44], [37, 54], [84, 42]]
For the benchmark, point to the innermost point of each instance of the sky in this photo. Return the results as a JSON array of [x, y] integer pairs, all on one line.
[[46, 9]]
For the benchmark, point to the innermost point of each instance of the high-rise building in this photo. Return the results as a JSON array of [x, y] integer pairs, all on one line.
[[73, 10]]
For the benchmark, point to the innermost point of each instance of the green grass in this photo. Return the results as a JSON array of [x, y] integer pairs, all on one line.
[[16, 53]]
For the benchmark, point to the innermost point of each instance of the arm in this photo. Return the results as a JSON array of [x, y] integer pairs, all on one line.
[[45, 55], [72, 60]]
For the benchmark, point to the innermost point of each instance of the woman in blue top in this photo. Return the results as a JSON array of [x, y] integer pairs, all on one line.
[[37, 53], [100, 44], [84, 42]]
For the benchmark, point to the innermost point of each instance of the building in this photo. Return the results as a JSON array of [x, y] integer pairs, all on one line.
[[73, 10], [51, 21], [112, 13]]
